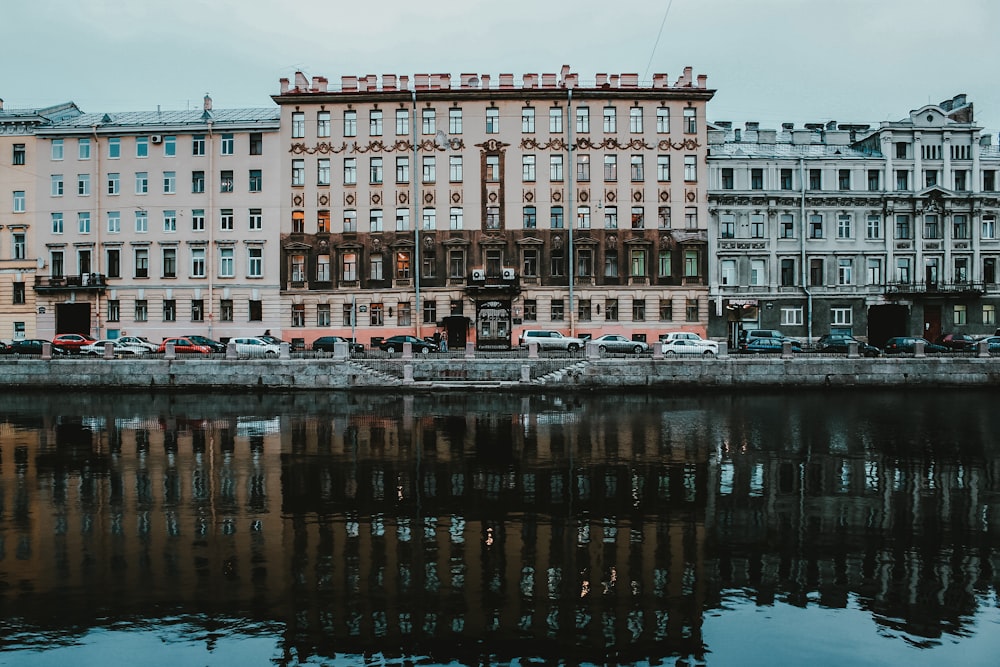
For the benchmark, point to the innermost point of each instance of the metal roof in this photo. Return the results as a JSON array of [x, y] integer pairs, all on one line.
[[736, 149], [145, 119]]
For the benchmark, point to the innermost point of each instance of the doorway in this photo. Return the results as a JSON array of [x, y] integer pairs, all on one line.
[[887, 321], [932, 323], [73, 318]]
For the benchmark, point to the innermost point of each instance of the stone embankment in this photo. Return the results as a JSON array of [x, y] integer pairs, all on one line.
[[515, 372]]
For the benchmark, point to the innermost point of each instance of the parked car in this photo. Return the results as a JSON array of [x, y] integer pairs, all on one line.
[[120, 348], [905, 345], [184, 345], [958, 342], [550, 340], [72, 342], [328, 344], [748, 335], [619, 343], [691, 337], [395, 344], [138, 341], [839, 343], [689, 346], [992, 343], [253, 346], [212, 345], [30, 346], [768, 346]]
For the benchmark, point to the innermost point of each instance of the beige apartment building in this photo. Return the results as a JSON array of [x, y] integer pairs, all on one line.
[[483, 206], [158, 223], [18, 173]]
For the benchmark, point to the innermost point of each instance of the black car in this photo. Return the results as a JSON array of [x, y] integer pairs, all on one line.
[[395, 344], [907, 345], [328, 344], [838, 344], [213, 345], [31, 346]]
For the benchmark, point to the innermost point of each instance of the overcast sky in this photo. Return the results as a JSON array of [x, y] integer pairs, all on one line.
[[770, 61]]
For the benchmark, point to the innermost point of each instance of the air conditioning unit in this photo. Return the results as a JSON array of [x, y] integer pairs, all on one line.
[[156, 138], [508, 273], [478, 274]]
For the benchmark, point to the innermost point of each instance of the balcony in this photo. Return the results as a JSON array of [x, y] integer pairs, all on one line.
[[935, 288], [88, 282]]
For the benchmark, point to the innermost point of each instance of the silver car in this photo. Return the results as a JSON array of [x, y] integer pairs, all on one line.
[[619, 343]]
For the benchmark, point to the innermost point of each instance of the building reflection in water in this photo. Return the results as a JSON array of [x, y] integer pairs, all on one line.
[[481, 528]]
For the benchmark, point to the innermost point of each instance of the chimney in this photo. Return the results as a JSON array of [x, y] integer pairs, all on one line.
[[738, 137], [1, 104], [208, 103]]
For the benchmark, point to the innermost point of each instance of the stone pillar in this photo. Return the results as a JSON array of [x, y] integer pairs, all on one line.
[[169, 353], [407, 350], [231, 352], [46, 350], [918, 349], [525, 374], [286, 351], [340, 351], [982, 349], [723, 350], [852, 349], [593, 351], [470, 350], [532, 349], [109, 350], [786, 349], [657, 347], [407, 371]]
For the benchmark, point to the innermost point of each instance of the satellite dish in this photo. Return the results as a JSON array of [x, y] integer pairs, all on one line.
[[441, 139]]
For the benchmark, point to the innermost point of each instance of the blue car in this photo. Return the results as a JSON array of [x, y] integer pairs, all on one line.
[[768, 346]]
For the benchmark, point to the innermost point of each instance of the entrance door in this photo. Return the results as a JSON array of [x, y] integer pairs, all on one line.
[[73, 318], [932, 322], [887, 321]]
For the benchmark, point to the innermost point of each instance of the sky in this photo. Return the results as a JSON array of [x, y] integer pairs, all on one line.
[[769, 61]]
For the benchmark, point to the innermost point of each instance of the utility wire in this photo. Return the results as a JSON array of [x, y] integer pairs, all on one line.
[[645, 76]]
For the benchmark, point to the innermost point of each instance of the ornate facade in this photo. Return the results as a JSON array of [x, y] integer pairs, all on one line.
[[882, 231], [488, 207]]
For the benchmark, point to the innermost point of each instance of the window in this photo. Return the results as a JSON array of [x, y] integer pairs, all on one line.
[[18, 246], [375, 170], [298, 175], [989, 227], [989, 314], [637, 263], [530, 218], [727, 225], [198, 220], [322, 220], [57, 185], [375, 220], [83, 185], [611, 309], [402, 264], [350, 220], [727, 178], [610, 120], [903, 274], [583, 168], [845, 268], [583, 312], [557, 266], [636, 168], [455, 121], [197, 181], [555, 168], [257, 179], [635, 120], [610, 263], [169, 182], [456, 264], [141, 310], [141, 222], [556, 219], [429, 169], [932, 229], [227, 267], [141, 262], [350, 123], [690, 121], [169, 220], [555, 120], [960, 226], [787, 271], [961, 270], [349, 266], [785, 179], [756, 225], [226, 177], [455, 218], [57, 149], [226, 310], [611, 217], [402, 219], [902, 179], [873, 267], [638, 310], [375, 122], [198, 144], [376, 314], [83, 149], [402, 122], [903, 230], [815, 179], [666, 310], [492, 120], [322, 124], [197, 310], [114, 222], [663, 217], [83, 222], [226, 220], [492, 174], [350, 171], [255, 262], [756, 179], [169, 262], [403, 169], [989, 180], [529, 264], [691, 310], [427, 124], [662, 120], [19, 155], [638, 218], [528, 168], [558, 310], [19, 201], [690, 168], [492, 217], [728, 272], [873, 226], [610, 168], [874, 180], [662, 168], [114, 310], [57, 223], [692, 264], [786, 226], [845, 225], [791, 316], [758, 272], [455, 168], [844, 179], [298, 273], [583, 120], [169, 310], [841, 316], [816, 271], [901, 150], [583, 217], [322, 174], [815, 226], [323, 268], [298, 125], [256, 310]]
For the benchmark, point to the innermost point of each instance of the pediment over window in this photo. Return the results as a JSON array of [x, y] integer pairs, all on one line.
[[530, 240], [297, 246]]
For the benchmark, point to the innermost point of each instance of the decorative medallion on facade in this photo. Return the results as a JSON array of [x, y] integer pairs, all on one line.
[[584, 195], [349, 198], [610, 196], [556, 195], [664, 195], [298, 199], [529, 196]]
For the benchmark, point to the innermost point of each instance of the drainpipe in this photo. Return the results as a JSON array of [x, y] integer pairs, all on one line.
[[96, 259], [802, 243], [416, 222], [210, 222], [571, 209]]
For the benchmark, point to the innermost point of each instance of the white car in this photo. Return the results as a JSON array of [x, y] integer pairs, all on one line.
[[138, 341], [708, 348], [121, 348], [255, 347]]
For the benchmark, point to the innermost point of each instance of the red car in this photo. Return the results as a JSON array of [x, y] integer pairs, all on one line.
[[184, 345], [72, 342]]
